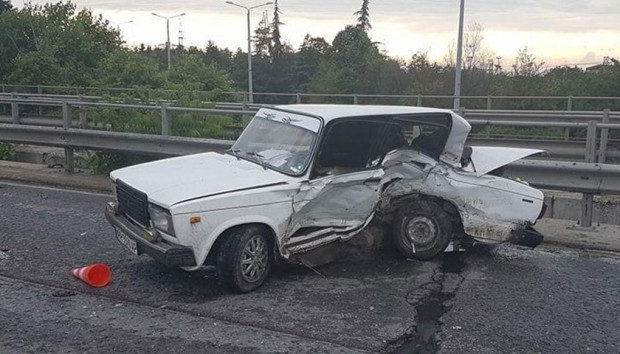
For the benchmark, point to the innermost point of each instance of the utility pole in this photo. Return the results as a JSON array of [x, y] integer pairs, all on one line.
[[459, 59], [250, 89], [168, 31]]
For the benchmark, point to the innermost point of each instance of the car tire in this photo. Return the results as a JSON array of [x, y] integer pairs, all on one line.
[[244, 258], [421, 230]]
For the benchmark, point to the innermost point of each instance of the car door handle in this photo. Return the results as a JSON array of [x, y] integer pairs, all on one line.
[[372, 180]]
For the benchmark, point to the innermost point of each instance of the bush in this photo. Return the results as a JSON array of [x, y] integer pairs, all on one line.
[[7, 151]]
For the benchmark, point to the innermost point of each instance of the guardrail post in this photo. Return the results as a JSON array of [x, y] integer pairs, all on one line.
[[355, 98], [245, 119], [66, 124], [587, 199], [587, 202], [14, 109], [419, 101], [40, 92], [165, 122], [489, 103], [83, 122], [591, 142], [569, 107], [298, 98], [602, 153]]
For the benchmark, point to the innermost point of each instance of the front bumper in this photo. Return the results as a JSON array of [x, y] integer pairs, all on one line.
[[162, 251]]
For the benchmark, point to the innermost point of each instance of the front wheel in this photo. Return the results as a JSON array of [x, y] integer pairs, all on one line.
[[244, 259], [422, 230]]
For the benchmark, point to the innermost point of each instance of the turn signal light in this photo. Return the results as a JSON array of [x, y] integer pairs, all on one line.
[[194, 220]]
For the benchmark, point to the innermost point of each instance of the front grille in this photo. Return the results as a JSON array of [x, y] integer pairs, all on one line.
[[132, 202]]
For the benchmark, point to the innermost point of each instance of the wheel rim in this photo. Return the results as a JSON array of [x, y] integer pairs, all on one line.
[[421, 230], [254, 259]]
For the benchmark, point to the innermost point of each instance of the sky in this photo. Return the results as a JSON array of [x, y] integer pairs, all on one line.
[[558, 32]]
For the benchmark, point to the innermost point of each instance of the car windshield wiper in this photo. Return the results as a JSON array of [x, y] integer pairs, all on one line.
[[234, 152], [258, 156]]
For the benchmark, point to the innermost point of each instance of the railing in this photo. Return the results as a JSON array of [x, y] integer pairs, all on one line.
[[50, 111], [588, 177], [488, 102]]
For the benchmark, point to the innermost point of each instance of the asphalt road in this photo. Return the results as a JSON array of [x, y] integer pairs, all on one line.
[[503, 299]]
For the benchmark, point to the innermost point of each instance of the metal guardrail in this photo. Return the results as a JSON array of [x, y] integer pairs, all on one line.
[[587, 177], [562, 147], [490, 101], [567, 176]]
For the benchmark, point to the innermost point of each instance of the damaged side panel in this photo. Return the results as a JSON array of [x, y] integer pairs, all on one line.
[[490, 207], [332, 208]]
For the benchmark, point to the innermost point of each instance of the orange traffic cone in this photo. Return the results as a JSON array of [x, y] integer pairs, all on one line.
[[96, 275]]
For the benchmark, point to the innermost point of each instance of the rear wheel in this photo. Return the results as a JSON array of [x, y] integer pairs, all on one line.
[[422, 230], [244, 258]]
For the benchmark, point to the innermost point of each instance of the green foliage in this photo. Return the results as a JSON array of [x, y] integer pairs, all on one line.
[[357, 61], [56, 44], [191, 73], [7, 151], [363, 19], [52, 44], [277, 48], [102, 163], [122, 68], [5, 5]]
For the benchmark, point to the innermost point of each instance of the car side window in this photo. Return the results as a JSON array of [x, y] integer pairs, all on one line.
[[350, 146], [425, 134]]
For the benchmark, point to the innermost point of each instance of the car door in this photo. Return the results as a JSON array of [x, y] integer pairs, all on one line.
[[345, 185]]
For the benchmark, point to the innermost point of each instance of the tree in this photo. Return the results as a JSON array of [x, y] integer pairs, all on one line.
[[124, 68], [220, 57], [277, 49], [357, 59], [5, 5], [262, 38], [363, 19], [312, 51], [53, 44], [526, 65], [190, 72], [425, 77], [475, 54]]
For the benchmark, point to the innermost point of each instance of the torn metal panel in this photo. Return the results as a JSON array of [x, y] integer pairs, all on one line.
[[456, 140], [333, 207], [490, 207]]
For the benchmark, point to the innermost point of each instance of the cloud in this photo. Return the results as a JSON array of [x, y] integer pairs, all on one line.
[[551, 28]]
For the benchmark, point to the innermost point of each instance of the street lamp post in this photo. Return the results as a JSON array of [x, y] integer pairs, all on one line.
[[118, 24], [459, 59], [168, 31], [250, 90]]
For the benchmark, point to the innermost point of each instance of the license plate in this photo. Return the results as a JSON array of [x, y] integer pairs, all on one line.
[[125, 240]]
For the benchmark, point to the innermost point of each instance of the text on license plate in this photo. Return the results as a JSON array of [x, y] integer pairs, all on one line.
[[125, 240]]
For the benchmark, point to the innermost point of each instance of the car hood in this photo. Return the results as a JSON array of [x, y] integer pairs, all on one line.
[[488, 158], [172, 181]]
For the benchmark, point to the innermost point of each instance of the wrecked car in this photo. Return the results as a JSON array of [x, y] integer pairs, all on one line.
[[303, 176]]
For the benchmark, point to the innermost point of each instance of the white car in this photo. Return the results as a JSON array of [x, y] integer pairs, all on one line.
[[302, 176]]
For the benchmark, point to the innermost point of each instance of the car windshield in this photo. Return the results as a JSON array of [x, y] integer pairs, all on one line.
[[278, 140]]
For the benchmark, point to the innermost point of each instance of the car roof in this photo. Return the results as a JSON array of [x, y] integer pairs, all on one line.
[[332, 111], [453, 149]]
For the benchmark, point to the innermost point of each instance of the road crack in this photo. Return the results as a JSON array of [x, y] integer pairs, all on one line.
[[431, 301]]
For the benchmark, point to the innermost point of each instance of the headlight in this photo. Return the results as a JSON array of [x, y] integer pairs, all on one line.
[[161, 219]]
